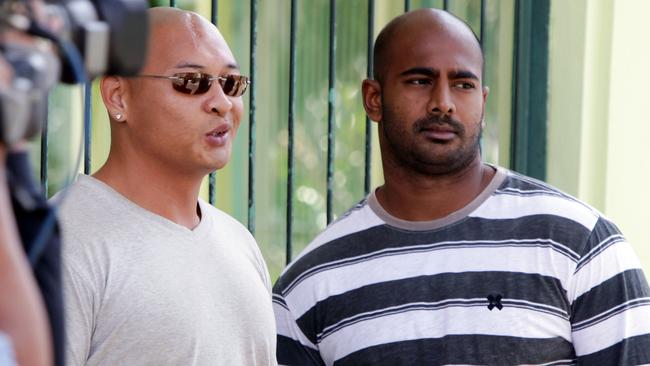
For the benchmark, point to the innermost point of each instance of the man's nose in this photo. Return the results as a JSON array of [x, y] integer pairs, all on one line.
[[440, 100], [217, 101]]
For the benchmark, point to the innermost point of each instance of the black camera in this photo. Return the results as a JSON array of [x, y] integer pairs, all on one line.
[[90, 38]]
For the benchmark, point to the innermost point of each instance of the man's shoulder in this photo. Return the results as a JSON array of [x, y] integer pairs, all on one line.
[[91, 215], [216, 213], [222, 219], [355, 220], [228, 228], [521, 195], [517, 183], [334, 241], [80, 201]]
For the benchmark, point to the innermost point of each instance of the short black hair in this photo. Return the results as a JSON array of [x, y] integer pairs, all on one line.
[[385, 38]]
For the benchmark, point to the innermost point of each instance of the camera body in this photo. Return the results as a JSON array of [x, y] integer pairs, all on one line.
[[98, 36]]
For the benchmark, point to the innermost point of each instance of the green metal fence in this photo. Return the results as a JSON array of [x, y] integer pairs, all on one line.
[[296, 89]]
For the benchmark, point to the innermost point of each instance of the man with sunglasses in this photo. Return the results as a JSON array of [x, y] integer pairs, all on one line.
[[152, 274], [452, 260]]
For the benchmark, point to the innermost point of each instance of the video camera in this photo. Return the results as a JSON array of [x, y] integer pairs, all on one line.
[[90, 38], [43, 42]]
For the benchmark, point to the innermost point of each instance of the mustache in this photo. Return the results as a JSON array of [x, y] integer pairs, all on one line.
[[432, 121]]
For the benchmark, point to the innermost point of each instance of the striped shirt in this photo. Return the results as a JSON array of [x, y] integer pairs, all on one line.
[[524, 274]]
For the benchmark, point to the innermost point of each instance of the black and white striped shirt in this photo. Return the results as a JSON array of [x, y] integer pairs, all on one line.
[[524, 274]]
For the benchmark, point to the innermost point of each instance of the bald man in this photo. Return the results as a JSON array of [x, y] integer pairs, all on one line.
[[152, 274], [453, 260]]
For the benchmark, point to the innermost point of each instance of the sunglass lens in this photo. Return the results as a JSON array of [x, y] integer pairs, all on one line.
[[204, 84], [234, 85], [179, 85], [192, 83], [229, 85], [197, 83]]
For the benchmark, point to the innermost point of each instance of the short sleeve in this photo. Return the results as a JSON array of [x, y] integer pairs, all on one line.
[[610, 304]]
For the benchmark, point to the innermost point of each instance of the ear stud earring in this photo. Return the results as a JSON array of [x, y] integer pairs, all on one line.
[[119, 116]]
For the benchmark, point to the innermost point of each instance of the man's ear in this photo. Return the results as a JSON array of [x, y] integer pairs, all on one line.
[[486, 91], [113, 94], [371, 91]]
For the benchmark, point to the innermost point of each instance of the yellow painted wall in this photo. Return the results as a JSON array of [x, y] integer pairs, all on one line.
[[599, 116], [628, 168]]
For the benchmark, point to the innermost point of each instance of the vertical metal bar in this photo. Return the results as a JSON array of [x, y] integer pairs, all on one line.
[[530, 80], [482, 25], [515, 59], [482, 44], [445, 5], [215, 12], [251, 131], [211, 176], [370, 39], [519, 69], [292, 110], [330, 109], [88, 110], [211, 190], [407, 5], [44, 152]]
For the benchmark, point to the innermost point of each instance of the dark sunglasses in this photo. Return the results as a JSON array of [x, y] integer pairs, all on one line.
[[199, 83]]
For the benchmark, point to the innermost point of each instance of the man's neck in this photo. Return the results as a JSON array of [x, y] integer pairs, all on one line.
[[165, 192], [416, 197]]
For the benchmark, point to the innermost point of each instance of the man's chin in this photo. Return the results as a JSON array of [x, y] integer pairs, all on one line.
[[217, 159], [218, 164], [442, 165]]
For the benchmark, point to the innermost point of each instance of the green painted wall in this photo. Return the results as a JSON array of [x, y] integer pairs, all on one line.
[[598, 109]]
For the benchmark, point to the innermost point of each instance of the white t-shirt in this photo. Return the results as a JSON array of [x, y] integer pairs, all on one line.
[[142, 290]]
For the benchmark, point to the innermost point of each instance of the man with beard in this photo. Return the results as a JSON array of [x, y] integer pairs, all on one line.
[[453, 260]]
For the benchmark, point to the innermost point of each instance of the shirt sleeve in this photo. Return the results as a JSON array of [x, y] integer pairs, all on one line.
[[293, 346], [79, 314], [610, 302], [261, 264]]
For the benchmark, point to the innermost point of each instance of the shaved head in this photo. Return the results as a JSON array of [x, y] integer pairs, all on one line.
[[409, 25], [162, 125], [171, 26], [162, 18]]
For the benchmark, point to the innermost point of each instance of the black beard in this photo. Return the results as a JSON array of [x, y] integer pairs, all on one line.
[[425, 162]]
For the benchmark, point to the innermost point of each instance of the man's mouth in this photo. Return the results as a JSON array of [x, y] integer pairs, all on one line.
[[218, 133], [440, 136], [220, 130], [436, 132], [219, 136]]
